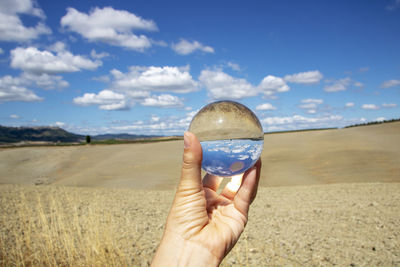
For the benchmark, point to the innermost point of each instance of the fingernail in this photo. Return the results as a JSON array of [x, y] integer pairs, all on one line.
[[186, 140]]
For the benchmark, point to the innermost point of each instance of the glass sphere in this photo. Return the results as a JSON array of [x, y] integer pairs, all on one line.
[[231, 137]]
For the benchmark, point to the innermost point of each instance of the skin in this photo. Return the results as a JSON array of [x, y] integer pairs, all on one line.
[[203, 226]]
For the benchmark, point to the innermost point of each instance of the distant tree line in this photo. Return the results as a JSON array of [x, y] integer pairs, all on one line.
[[372, 123]]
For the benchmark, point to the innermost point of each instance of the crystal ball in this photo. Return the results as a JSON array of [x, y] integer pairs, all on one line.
[[231, 137]]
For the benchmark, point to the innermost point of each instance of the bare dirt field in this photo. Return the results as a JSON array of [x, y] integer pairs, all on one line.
[[327, 198], [360, 154]]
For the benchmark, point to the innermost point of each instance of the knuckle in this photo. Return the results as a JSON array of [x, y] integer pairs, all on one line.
[[189, 159], [187, 165]]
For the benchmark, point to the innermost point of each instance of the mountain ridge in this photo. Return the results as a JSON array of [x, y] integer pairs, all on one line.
[[37, 133], [56, 134]]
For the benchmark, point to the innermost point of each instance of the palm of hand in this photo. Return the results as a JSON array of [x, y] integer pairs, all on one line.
[[225, 223], [211, 220], [202, 226]]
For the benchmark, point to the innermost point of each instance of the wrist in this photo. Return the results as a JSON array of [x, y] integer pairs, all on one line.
[[176, 251]]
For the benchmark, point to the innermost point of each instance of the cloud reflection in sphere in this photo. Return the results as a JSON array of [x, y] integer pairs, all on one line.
[[230, 135]]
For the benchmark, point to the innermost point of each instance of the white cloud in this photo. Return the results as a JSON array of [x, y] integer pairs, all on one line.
[[146, 128], [358, 84], [185, 47], [106, 100], [308, 106], [96, 55], [11, 26], [137, 95], [265, 106], [363, 69], [389, 105], [272, 84], [233, 66], [44, 81], [308, 77], [59, 124], [300, 120], [112, 100], [312, 100], [159, 43], [190, 115], [31, 59], [58, 47], [223, 86], [160, 79], [13, 89], [339, 85], [103, 78], [1, 51], [28, 7], [162, 125], [380, 119], [164, 101], [349, 104], [155, 118], [14, 116], [107, 25], [370, 107], [390, 83], [311, 105], [12, 29], [296, 122]]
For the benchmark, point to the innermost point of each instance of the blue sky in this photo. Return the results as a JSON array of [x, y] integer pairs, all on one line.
[[146, 67]]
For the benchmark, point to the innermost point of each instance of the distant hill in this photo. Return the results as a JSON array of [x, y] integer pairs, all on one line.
[[56, 134], [123, 136], [46, 134]]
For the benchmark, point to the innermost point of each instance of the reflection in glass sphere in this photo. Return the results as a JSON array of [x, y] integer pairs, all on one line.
[[230, 135]]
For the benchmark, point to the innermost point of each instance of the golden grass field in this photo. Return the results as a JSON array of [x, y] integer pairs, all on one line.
[[326, 198]]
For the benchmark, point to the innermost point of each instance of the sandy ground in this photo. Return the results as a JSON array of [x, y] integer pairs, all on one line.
[[319, 225], [326, 197], [361, 154]]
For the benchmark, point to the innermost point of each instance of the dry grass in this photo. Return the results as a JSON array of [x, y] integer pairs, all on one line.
[[50, 226], [343, 224], [69, 232]]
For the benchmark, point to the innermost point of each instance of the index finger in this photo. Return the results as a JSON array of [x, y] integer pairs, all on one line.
[[248, 190], [212, 182]]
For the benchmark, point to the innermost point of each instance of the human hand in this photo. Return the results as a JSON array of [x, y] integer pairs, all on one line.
[[202, 226]]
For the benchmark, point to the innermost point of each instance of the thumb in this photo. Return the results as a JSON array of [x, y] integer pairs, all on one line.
[[191, 167]]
